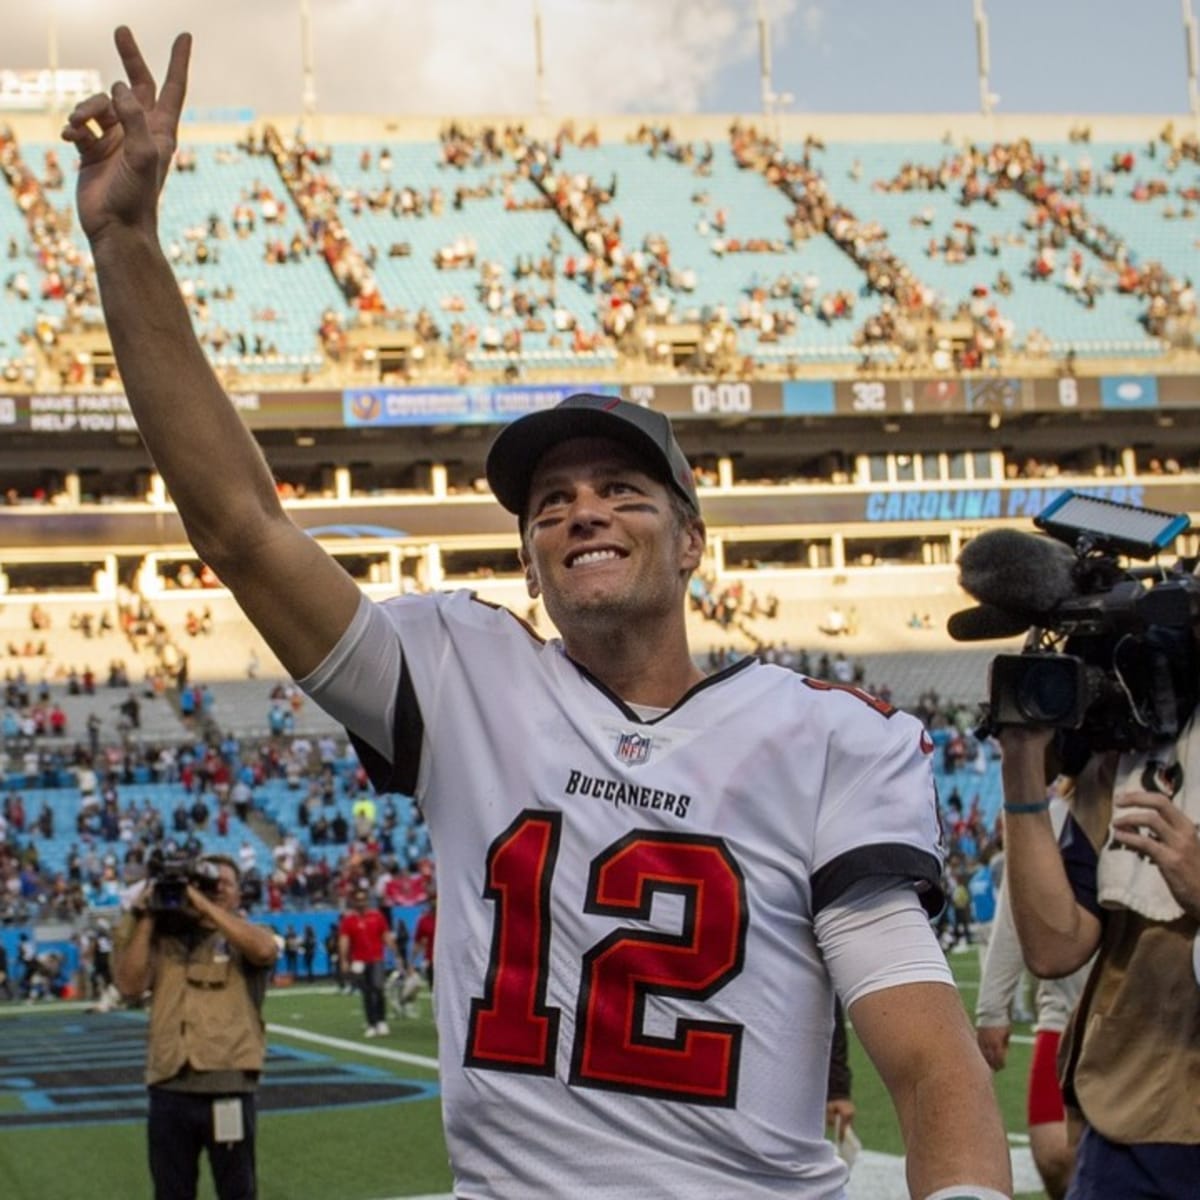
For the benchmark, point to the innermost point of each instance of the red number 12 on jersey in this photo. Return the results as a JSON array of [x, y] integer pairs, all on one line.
[[513, 1029]]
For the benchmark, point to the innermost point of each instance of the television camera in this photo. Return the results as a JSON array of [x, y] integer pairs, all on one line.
[[169, 875], [1111, 653]]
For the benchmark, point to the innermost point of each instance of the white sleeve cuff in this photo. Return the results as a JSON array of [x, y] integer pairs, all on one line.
[[876, 936]]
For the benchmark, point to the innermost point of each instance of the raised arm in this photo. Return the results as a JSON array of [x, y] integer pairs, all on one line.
[[1058, 935], [295, 594], [255, 942], [133, 956]]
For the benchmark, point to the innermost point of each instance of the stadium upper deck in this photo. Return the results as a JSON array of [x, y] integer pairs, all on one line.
[[419, 251]]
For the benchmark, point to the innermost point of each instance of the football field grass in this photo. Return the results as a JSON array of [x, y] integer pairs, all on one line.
[[341, 1118]]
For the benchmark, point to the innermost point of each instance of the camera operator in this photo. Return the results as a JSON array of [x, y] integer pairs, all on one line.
[[1131, 1053], [207, 970]]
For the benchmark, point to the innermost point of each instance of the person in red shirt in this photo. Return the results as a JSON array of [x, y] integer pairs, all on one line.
[[363, 936], [423, 936]]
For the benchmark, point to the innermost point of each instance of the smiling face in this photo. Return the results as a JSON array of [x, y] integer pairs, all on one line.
[[605, 543]]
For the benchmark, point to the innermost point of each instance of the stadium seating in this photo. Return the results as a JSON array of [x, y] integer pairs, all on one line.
[[280, 803], [412, 281], [16, 315], [64, 803], [504, 216], [1042, 305], [296, 292]]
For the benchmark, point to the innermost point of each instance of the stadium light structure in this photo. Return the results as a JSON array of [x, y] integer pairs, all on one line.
[[308, 98], [52, 56], [764, 61], [1193, 57], [539, 64], [773, 102], [983, 57]]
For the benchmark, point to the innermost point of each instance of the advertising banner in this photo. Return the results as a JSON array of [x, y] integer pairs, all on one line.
[[1129, 391], [378, 406], [108, 412]]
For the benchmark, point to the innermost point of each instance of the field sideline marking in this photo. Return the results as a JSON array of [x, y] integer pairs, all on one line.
[[336, 1043]]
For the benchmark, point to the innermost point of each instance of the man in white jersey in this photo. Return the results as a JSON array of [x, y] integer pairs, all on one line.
[[651, 883], [1003, 967]]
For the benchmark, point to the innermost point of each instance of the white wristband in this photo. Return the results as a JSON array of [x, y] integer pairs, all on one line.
[[967, 1191]]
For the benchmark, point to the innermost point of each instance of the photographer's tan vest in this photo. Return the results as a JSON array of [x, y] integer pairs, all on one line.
[[1130, 1058], [205, 1011]]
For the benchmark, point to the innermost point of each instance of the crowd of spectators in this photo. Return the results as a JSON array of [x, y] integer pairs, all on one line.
[[637, 284], [304, 170], [65, 275], [328, 832], [1058, 218], [730, 606], [1055, 188], [332, 834]]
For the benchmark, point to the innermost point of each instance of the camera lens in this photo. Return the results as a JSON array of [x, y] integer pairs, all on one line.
[[1048, 691]]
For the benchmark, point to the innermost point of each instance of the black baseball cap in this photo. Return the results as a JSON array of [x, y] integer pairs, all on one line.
[[517, 450]]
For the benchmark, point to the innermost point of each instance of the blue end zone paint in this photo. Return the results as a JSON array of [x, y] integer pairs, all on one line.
[[64, 1072]]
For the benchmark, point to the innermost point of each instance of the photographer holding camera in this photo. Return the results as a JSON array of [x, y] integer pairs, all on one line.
[[1106, 693], [206, 968], [1131, 1053]]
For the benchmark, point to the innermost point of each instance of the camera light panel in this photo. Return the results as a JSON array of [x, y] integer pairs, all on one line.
[[1121, 528]]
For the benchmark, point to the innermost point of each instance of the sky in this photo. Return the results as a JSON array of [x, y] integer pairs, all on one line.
[[613, 56]]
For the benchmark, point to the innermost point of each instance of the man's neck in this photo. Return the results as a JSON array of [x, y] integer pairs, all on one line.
[[658, 676]]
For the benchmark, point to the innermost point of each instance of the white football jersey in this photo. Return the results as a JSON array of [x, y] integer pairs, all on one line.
[[630, 997]]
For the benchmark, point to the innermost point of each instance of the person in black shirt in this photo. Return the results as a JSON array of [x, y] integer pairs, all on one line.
[[308, 947]]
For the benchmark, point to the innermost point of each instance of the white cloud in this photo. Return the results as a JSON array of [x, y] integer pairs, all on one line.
[[813, 22], [452, 56]]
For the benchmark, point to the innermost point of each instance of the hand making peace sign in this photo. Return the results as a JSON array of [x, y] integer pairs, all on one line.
[[126, 141]]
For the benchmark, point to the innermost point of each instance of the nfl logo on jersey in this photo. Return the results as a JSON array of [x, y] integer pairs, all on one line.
[[634, 748]]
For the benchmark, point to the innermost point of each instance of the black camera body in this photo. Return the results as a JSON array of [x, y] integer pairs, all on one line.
[[1128, 673], [169, 876], [1042, 688], [1117, 662]]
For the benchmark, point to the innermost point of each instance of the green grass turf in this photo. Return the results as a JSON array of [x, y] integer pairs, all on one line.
[[327, 1154], [370, 1152]]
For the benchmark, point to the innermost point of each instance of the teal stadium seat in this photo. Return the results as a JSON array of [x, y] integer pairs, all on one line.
[[655, 195], [413, 282], [1043, 305], [296, 292]]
